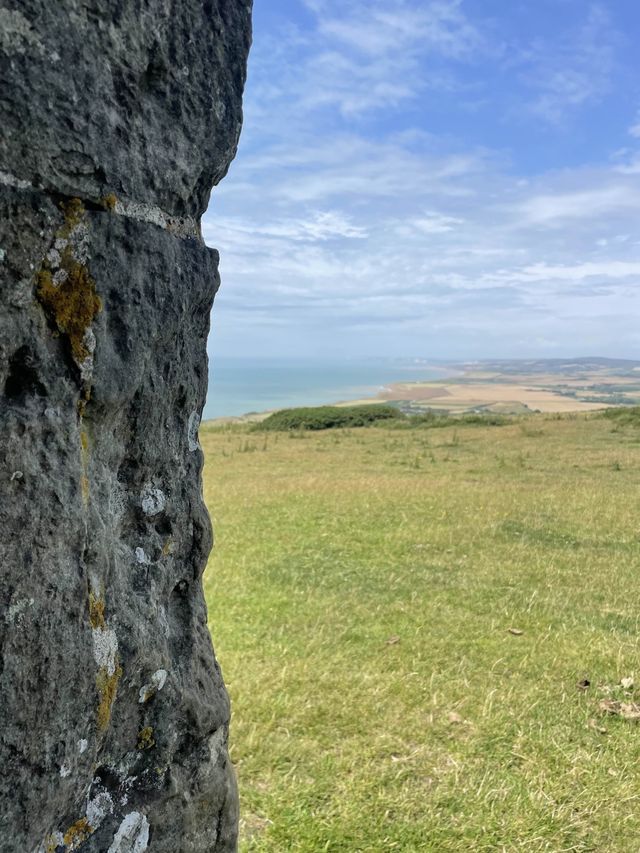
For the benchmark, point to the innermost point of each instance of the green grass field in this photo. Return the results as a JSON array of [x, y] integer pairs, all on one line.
[[361, 592]]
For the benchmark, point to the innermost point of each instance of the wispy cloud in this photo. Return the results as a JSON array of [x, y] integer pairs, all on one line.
[[376, 29], [586, 203], [634, 130], [351, 222], [571, 70]]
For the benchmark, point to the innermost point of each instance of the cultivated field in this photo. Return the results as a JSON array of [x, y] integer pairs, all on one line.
[[521, 386], [494, 397], [418, 628]]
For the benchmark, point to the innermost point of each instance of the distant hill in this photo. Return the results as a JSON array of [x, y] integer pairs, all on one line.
[[584, 364]]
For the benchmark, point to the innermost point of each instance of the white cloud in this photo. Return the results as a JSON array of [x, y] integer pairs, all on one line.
[[365, 56], [612, 269], [341, 226], [573, 69], [436, 223], [380, 28], [553, 209], [323, 225]]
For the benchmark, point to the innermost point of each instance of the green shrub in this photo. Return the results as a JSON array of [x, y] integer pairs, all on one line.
[[624, 415], [328, 417], [335, 417]]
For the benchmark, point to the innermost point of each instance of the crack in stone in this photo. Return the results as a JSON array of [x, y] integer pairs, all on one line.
[[184, 227]]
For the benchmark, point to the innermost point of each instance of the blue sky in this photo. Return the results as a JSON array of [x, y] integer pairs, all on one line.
[[435, 178]]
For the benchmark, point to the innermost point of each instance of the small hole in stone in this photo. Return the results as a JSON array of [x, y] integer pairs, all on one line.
[[181, 588], [23, 380], [164, 527]]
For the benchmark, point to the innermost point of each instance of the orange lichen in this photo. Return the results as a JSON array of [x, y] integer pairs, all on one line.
[[77, 833], [107, 688], [109, 201]]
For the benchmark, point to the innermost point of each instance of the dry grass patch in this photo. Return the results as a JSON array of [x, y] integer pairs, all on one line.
[[361, 595]]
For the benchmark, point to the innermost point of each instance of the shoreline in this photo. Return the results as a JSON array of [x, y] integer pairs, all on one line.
[[481, 387]]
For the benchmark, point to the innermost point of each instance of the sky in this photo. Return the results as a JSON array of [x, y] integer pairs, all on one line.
[[446, 179]]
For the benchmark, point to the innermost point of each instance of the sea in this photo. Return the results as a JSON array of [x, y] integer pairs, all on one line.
[[239, 386]]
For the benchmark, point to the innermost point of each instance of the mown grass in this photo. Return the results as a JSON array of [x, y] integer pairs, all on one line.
[[361, 592]]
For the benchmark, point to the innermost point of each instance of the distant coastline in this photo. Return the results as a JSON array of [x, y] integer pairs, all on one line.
[[247, 392], [242, 388]]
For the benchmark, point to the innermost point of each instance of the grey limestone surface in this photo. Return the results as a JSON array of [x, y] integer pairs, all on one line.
[[116, 119]]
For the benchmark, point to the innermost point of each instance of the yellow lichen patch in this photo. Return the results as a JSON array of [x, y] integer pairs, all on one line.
[[73, 304], [73, 213], [77, 833], [84, 399], [84, 440], [51, 843], [109, 201], [107, 688], [167, 548], [145, 738], [64, 287], [96, 611]]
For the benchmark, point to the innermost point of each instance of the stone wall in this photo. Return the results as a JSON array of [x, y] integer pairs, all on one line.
[[116, 120]]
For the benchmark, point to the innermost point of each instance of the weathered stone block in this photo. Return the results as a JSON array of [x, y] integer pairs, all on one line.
[[117, 118]]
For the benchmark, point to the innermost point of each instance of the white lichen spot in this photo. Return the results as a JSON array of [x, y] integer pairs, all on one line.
[[65, 771], [141, 556], [105, 649], [192, 431], [16, 611], [117, 499], [158, 680], [153, 500], [89, 340], [132, 835], [83, 745], [98, 807], [53, 256], [86, 365], [7, 178], [79, 241], [59, 277], [3, 255], [60, 243]]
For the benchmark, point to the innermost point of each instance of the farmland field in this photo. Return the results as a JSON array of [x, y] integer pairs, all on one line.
[[430, 636]]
